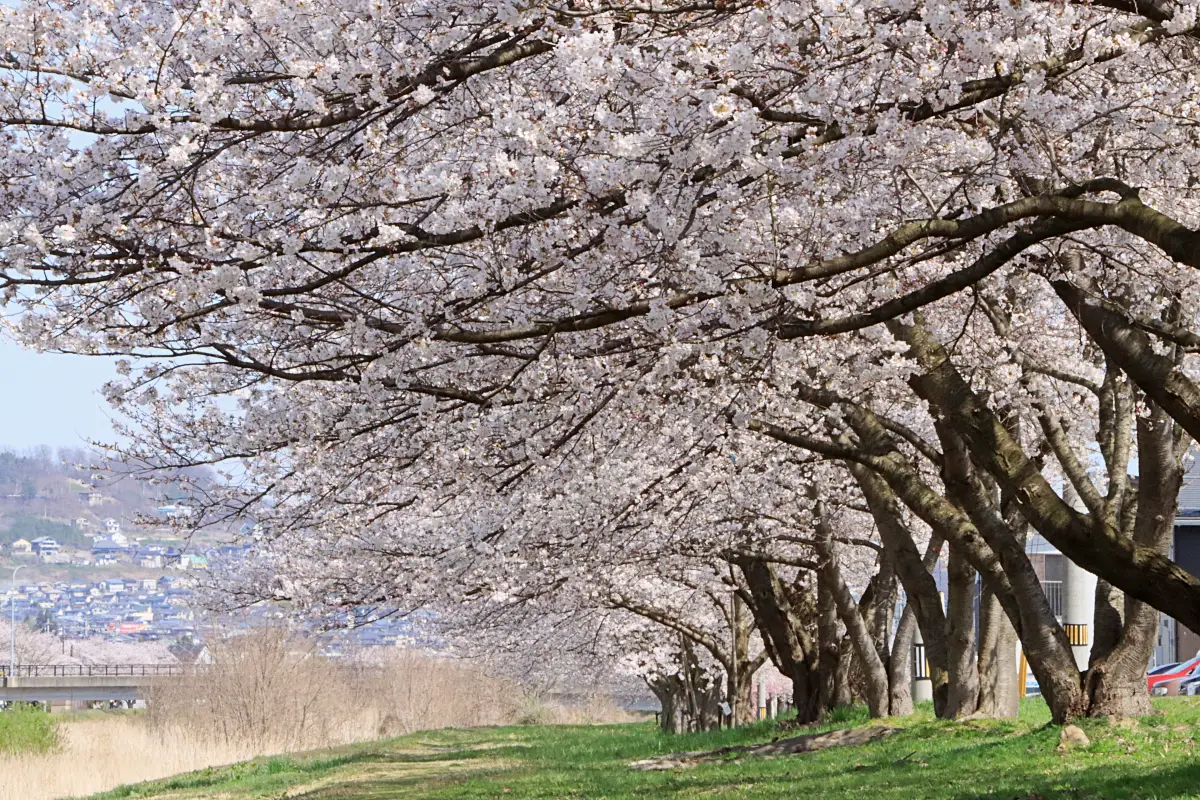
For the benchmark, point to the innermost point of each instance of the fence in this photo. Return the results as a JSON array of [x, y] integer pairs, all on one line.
[[1054, 593], [92, 670]]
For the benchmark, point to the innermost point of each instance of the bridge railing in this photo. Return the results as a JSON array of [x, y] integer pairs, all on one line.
[[93, 670]]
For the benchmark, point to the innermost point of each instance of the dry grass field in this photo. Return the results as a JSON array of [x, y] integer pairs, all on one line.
[[267, 695], [99, 753]]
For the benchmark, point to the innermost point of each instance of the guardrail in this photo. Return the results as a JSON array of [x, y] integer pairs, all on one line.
[[93, 670]]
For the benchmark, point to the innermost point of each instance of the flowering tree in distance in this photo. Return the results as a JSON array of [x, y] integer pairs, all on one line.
[[413, 264]]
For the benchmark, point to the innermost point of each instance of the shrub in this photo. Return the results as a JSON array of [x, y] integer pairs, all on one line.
[[27, 729], [270, 691]]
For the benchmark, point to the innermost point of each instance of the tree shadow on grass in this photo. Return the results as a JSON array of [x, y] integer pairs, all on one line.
[[1179, 780], [402, 784], [981, 770]]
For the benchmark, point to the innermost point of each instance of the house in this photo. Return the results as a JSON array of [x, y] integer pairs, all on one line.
[[228, 551], [148, 585], [153, 556], [103, 546], [44, 546], [112, 585], [108, 551], [176, 511], [91, 497], [127, 628], [82, 523], [21, 547], [112, 526], [192, 561], [1175, 642]]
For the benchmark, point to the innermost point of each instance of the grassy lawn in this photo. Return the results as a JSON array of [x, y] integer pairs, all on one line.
[[1153, 758]]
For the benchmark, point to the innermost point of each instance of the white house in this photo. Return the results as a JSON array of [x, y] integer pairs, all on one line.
[[44, 545], [176, 511]]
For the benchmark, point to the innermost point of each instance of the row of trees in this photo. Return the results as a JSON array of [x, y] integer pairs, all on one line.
[[729, 317]]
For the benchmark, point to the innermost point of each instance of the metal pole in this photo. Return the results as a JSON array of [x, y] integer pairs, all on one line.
[[12, 632]]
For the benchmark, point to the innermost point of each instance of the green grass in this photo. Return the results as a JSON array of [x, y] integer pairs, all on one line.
[[82, 715], [1150, 759], [25, 729]]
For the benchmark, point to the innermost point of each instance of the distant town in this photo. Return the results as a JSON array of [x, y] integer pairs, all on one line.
[[93, 562], [109, 545], [129, 609]]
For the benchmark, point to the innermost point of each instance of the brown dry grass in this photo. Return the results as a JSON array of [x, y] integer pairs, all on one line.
[[269, 693], [99, 754]]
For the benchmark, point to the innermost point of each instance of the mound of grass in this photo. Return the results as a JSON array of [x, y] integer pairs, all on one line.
[[1155, 757], [27, 729]]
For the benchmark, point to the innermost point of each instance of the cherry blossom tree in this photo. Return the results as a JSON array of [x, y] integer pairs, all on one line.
[[441, 279]]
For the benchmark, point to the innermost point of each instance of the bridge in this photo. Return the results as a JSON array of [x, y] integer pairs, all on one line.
[[62, 686]]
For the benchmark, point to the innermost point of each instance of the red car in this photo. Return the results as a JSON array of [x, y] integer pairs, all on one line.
[[1172, 672]]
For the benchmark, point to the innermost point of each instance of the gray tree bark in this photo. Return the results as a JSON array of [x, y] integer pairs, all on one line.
[[900, 699], [874, 674], [963, 696]]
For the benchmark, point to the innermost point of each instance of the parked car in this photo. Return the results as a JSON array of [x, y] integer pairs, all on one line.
[[1165, 681], [1190, 687]]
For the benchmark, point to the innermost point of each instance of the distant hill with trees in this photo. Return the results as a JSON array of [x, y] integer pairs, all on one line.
[[44, 492]]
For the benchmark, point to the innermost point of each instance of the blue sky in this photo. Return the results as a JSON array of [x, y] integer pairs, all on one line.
[[47, 398]]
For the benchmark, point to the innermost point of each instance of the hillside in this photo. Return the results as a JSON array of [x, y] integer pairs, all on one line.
[[70, 494], [930, 759]]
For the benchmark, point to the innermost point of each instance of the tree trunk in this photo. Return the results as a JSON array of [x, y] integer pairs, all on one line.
[[843, 692], [1116, 685], [667, 690], [1108, 620], [884, 608], [1044, 641], [830, 643], [1115, 682], [743, 694], [874, 675], [781, 625], [900, 700], [1090, 542], [998, 694], [915, 573], [739, 672], [1137, 564], [963, 695]]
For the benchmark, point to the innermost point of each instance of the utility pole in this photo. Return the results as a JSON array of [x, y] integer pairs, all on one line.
[[12, 634]]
